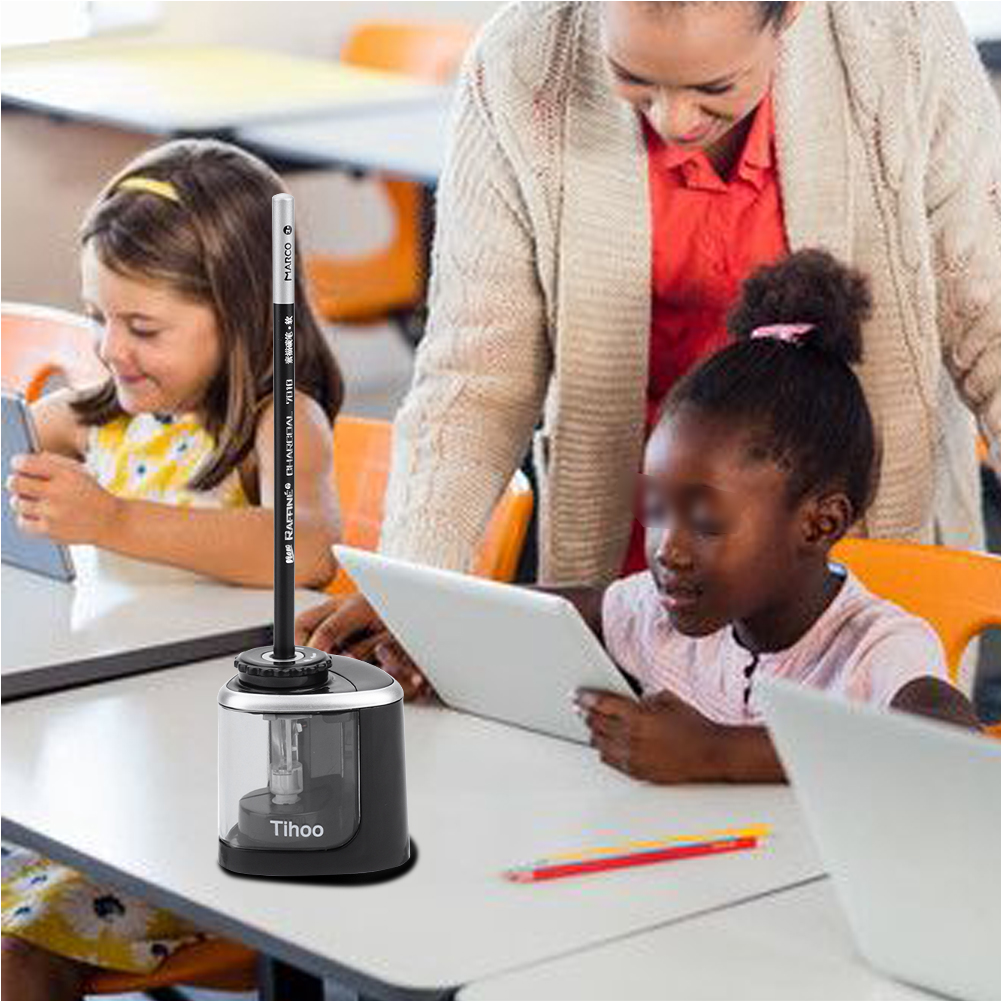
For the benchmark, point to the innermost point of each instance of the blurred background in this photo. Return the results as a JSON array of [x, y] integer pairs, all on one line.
[[60, 146], [70, 118]]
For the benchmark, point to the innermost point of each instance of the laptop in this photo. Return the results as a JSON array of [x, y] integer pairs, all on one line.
[[906, 813], [29, 552], [508, 653]]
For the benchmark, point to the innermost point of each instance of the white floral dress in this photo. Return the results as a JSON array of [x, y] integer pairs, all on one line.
[[153, 458]]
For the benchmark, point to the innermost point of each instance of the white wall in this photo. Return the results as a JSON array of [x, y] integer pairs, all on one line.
[[52, 170], [305, 28]]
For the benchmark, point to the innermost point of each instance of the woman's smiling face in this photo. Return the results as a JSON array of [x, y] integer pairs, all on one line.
[[693, 70]]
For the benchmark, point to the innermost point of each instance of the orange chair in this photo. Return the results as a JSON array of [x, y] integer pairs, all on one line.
[[430, 52], [39, 343], [957, 592], [217, 964], [389, 282], [361, 459]]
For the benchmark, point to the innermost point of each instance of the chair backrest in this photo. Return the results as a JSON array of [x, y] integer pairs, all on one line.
[[429, 52], [361, 469], [215, 963], [957, 592], [361, 462], [39, 343]]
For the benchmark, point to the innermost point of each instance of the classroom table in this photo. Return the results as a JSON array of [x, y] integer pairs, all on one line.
[[407, 142], [793, 945], [122, 617], [119, 779], [194, 89]]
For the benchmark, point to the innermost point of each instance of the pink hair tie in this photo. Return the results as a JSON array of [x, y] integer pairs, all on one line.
[[791, 333]]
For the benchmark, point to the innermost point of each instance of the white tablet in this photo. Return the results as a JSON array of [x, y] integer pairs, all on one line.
[[906, 813], [496, 650], [30, 552]]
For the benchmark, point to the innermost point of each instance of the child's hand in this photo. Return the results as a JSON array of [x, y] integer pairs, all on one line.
[[348, 625], [659, 739], [345, 624], [394, 660], [55, 496]]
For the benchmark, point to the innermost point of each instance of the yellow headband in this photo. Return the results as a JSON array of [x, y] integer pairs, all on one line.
[[162, 188]]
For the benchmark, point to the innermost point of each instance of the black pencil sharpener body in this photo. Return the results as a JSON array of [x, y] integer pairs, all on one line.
[[312, 775]]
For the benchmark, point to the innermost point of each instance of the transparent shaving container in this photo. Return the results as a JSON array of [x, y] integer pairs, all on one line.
[[290, 766]]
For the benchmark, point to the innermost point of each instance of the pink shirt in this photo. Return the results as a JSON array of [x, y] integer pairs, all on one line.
[[862, 647]]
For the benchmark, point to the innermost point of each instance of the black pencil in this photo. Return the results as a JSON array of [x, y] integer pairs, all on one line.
[[283, 282]]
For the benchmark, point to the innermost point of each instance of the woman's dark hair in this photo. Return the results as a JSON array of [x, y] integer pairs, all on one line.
[[212, 246], [770, 15], [799, 402]]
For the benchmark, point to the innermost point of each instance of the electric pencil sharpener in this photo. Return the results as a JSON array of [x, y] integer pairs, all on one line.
[[311, 767]]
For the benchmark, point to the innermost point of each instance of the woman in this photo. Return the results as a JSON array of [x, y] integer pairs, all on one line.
[[596, 208]]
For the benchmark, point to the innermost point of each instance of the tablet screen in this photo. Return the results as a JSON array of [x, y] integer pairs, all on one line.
[[29, 552]]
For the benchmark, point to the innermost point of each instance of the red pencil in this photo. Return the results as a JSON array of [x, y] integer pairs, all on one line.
[[559, 870]]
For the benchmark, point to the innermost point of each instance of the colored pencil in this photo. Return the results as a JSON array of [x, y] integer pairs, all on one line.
[[627, 847], [580, 867]]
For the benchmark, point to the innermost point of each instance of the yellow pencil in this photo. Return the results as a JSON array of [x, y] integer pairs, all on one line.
[[752, 831]]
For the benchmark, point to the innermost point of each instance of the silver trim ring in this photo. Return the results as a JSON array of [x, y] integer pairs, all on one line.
[[310, 701]]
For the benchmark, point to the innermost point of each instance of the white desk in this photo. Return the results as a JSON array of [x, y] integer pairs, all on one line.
[[408, 142], [120, 779], [122, 617], [194, 88], [791, 946]]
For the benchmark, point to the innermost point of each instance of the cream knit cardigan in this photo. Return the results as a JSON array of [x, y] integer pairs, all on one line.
[[889, 155]]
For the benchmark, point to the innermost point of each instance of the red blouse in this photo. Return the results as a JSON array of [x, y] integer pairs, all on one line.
[[709, 234]]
